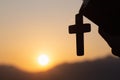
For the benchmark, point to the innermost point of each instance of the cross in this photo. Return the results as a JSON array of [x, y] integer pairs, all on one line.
[[79, 28]]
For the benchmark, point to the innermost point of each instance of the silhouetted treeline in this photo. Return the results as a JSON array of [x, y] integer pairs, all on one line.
[[102, 69]]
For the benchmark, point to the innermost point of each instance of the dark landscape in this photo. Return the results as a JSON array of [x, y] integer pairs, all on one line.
[[107, 68]]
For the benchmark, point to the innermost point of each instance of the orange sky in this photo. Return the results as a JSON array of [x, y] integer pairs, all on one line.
[[29, 28]]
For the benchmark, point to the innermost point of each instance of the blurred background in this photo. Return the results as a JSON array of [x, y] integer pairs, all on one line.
[[29, 28]]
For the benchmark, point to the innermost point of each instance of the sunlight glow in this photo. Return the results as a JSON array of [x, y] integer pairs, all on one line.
[[43, 60]]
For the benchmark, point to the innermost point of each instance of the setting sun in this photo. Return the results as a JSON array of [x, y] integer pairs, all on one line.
[[43, 60]]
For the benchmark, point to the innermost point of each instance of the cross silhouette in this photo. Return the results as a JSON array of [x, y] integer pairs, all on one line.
[[79, 28]]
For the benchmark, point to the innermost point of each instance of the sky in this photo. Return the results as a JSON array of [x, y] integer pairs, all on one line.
[[29, 28]]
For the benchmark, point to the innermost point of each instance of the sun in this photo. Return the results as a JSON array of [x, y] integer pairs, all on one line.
[[43, 59]]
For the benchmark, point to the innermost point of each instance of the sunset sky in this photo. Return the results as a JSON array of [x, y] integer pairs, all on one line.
[[29, 28]]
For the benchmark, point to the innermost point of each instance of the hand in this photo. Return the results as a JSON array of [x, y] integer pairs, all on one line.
[[112, 40]]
